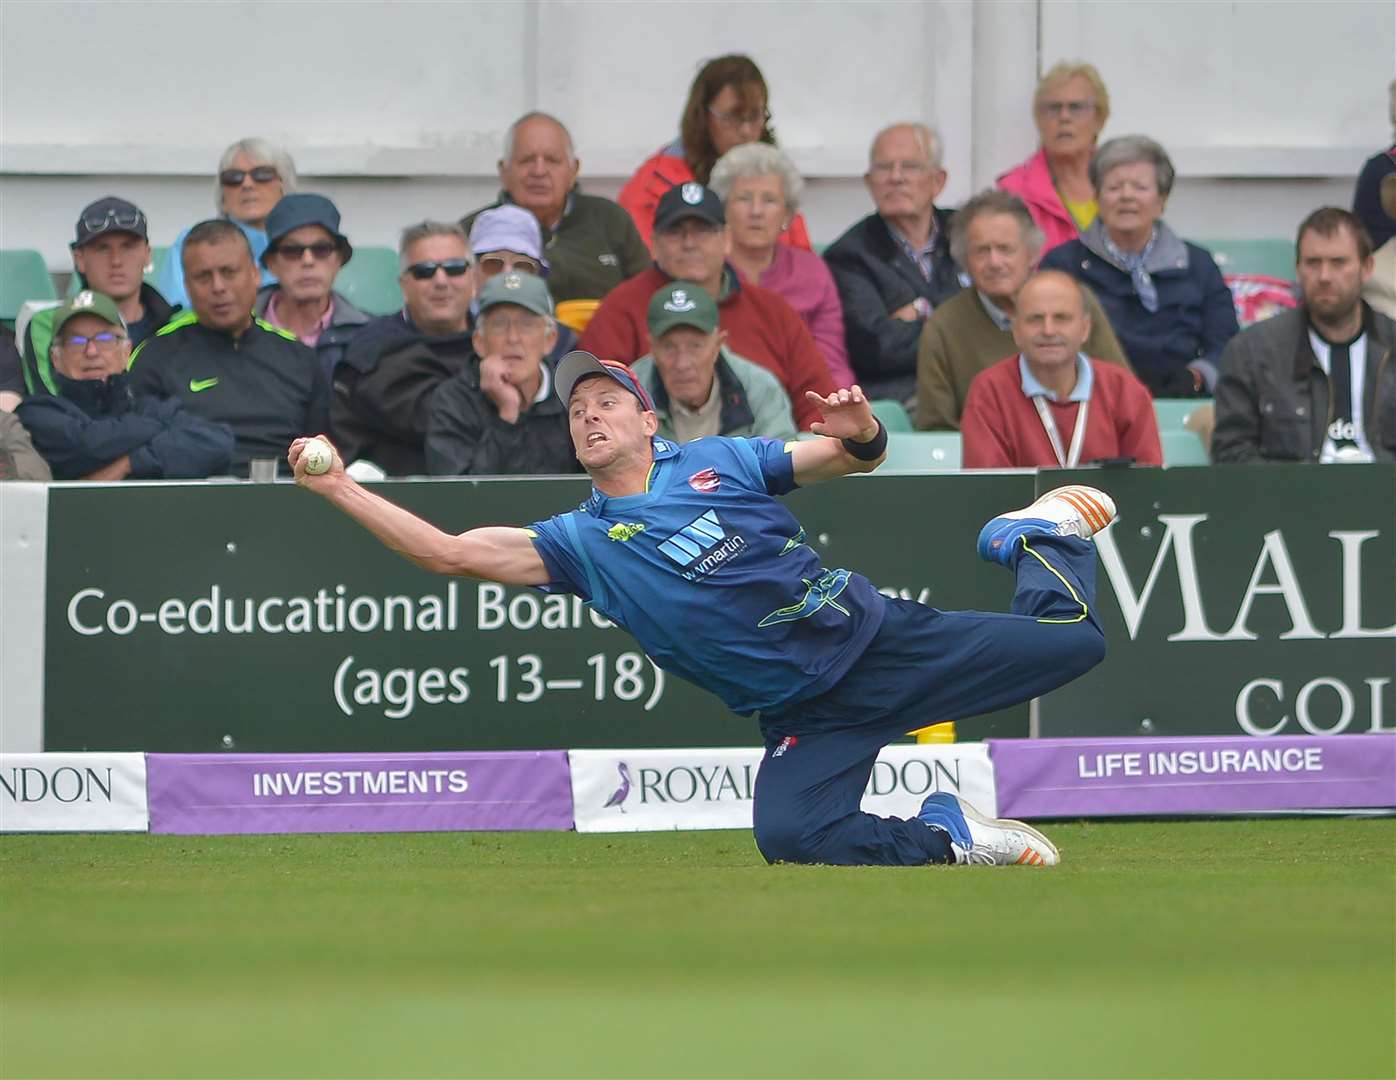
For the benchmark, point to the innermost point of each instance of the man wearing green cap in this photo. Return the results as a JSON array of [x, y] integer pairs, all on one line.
[[93, 428], [699, 386], [498, 415]]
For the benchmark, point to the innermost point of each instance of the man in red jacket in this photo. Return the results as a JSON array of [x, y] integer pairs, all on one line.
[[1051, 404], [690, 244]]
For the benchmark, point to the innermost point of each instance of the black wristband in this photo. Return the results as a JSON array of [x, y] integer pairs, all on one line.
[[871, 450]]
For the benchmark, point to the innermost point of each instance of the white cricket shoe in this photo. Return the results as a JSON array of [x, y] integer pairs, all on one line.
[[1002, 842], [1074, 510]]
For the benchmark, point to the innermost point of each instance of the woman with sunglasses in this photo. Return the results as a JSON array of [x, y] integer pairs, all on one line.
[[253, 174], [727, 106]]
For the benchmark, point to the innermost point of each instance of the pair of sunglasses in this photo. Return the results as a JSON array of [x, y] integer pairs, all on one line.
[[321, 250], [497, 264], [120, 219], [423, 271], [262, 174]]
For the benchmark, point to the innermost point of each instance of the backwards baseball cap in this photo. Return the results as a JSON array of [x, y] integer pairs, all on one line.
[[107, 216], [88, 302], [299, 209], [681, 303], [508, 228], [511, 287], [578, 365], [690, 200]]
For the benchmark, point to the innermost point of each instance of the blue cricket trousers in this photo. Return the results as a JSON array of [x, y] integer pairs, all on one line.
[[923, 667]]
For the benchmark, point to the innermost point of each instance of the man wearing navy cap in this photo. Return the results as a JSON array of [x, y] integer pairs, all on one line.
[[688, 548], [306, 250], [690, 244], [111, 250]]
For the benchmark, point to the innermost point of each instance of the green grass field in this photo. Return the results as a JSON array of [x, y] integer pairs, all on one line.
[[1214, 948]]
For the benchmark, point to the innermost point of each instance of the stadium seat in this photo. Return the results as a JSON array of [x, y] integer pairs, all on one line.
[[893, 416], [370, 280], [1172, 412], [923, 451], [1273, 258], [23, 276], [577, 314], [1181, 444]]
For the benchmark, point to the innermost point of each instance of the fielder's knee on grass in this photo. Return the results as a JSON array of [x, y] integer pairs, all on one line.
[[782, 839]]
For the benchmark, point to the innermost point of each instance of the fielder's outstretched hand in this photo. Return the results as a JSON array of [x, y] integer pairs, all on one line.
[[320, 483], [847, 415]]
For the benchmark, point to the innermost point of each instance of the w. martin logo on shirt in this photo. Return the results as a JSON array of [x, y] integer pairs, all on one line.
[[702, 545]]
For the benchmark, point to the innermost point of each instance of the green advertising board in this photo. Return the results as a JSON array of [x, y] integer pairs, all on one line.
[[1253, 600], [198, 617]]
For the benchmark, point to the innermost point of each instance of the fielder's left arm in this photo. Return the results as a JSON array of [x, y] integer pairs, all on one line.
[[847, 417]]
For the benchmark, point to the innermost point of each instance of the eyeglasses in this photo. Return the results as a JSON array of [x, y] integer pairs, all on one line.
[[742, 119], [106, 341], [320, 251], [121, 219], [262, 174], [522, 323], [908, 168], [1073, 109], [497, 264], [424, 271]]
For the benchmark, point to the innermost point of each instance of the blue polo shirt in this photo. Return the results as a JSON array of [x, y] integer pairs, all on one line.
[[712, 575]]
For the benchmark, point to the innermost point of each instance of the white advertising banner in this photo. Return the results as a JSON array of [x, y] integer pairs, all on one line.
[[651, 790], [73, 793]]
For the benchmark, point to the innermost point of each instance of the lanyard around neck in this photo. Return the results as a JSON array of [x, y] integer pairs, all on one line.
[[1072, 457]]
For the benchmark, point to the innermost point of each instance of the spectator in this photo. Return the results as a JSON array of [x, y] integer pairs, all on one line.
[[698, 387], [760, 192], [305, 250], [1379, 222], [894, 267], [727, 106], [1380, 290], [1317, 383], [252, 177], [592, 244], [1166, 298], [93, 428], [18, 458], [690, 239], [379, 407], [994, 238], [1051, 405], [111, 250], [227, 365], [1070, 107], [498, 416]]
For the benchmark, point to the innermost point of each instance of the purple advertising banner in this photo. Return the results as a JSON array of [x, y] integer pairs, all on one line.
[[196, 794], [1104, 777]]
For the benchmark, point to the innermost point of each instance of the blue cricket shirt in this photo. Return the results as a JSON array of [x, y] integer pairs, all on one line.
[[712, 575]]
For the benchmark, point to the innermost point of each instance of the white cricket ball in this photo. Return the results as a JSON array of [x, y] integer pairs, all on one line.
[[318, 456]]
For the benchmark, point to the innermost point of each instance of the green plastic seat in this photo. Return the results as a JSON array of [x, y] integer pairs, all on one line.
[[893, 416], [369, 281], [1182, 447], [23, 276], [1171, 412], [923, 451], [1274, 258]]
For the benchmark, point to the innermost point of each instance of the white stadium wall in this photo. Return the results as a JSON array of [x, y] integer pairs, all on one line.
[[397, 110]]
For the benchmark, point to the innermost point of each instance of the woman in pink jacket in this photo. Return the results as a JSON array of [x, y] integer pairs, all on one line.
[[1070, 107]]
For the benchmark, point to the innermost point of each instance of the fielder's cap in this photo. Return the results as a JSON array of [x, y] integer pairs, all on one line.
[[88, 302], [512, 287], [578, 365], [690, 200], [681, 303], [300, 209], [107, 216], [508, 228]]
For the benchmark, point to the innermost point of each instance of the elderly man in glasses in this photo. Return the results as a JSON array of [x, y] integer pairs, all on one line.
[[591, 242], [91, 427], [894, 267], [111, 249], [305, 250], [378, 409]]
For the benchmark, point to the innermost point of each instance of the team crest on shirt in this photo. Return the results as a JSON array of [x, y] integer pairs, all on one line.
[[705, 481], [692, 194]]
